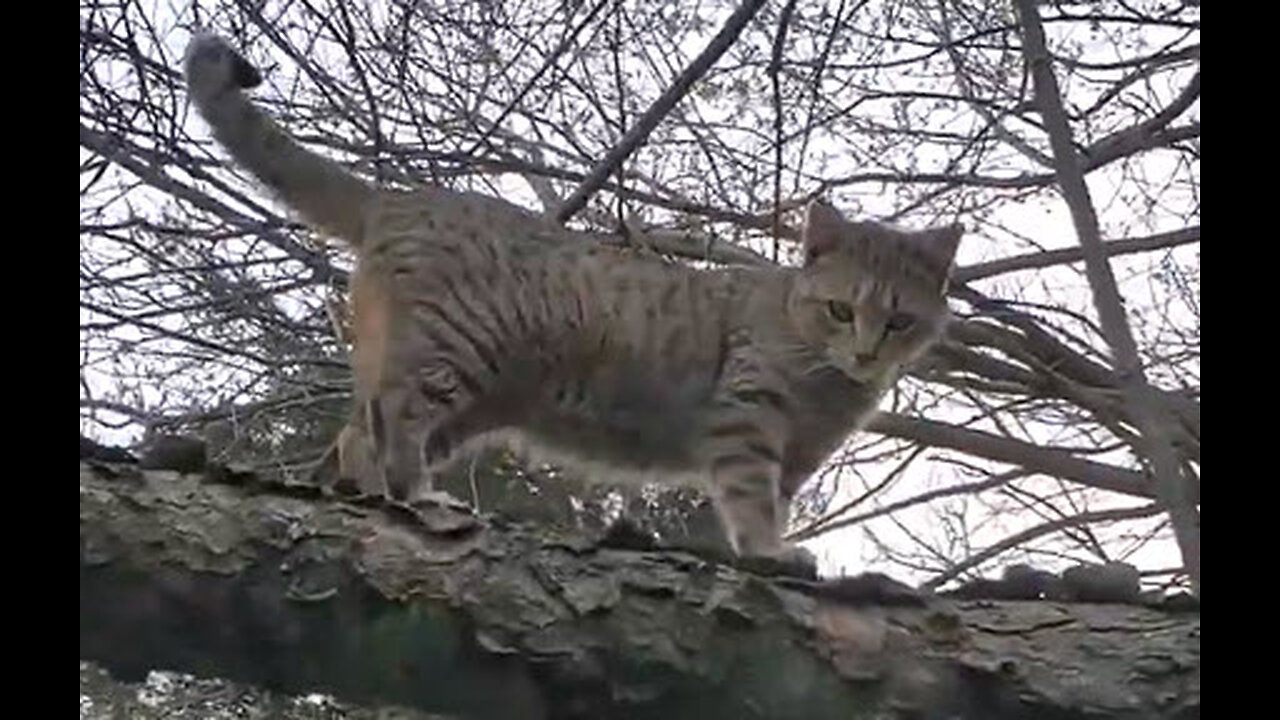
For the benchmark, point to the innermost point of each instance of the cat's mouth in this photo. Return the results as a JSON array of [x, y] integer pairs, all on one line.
[[864, 371]]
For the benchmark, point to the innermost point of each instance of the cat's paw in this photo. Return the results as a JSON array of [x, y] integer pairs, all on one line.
[[626, 534], [790, 561], [872, 589], [213, 67]]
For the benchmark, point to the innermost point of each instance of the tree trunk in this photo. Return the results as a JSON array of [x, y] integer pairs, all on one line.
[[451, 613]]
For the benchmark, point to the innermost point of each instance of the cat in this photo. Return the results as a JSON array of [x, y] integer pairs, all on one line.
[[474, 319]]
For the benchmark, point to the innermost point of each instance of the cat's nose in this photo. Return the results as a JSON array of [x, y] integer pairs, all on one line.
[[865, 358]]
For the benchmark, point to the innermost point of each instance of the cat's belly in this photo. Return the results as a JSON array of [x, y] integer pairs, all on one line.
[[640, 437], [600, 465], [630, 415]]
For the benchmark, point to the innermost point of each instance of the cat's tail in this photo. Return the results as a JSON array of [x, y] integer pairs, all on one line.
[[324, 193]]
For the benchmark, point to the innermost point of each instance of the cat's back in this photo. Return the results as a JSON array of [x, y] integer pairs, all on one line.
[[433, 221], [435, 240], [606, 352]]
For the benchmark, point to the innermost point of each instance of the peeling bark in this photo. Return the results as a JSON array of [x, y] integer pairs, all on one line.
[[451, 613]]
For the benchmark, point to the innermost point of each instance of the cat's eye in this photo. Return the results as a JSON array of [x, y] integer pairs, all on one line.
[[840, 311], [900, 321]]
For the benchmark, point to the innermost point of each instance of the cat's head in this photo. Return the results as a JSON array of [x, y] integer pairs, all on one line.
[[872, 295]]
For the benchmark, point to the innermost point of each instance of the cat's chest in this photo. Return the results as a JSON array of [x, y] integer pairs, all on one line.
[[831, 397], [828, 407]]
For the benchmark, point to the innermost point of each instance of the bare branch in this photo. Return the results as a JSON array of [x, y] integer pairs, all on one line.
[[1056, 462], [1048, 258], [835, 521], [656, 112], [1174, 490], [1021, 538]]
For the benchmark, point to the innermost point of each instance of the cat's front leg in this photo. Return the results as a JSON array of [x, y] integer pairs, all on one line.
[[745, 490], [744, 445]]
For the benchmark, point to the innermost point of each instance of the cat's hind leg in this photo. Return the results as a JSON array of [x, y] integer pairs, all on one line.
[[416, 425]]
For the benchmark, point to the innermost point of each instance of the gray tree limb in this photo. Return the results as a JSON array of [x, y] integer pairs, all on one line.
[[452, 613]]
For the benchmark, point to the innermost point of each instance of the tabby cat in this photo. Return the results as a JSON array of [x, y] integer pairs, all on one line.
[[474, 318]]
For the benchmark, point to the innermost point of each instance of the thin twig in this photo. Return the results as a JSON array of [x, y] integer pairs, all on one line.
[[833, 521], [1031, 533]]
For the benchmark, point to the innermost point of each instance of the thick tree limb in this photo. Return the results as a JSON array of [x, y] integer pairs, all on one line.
[[1064, 359], [450, 613]]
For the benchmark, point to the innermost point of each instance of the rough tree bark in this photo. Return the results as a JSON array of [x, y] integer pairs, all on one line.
[[285, 588]]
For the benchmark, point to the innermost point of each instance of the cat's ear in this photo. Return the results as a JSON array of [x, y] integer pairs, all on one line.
[[822, 229], [944, 242], [939, 249]]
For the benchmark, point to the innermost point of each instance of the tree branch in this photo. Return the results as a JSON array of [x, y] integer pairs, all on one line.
[[444, 611], [834, 521], [656, 112], [113, 149], [1147, 407], [1031, 261], [1056, 462], [1031, 533]]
